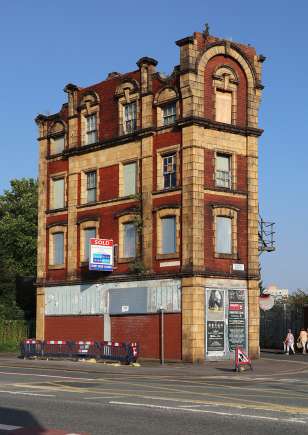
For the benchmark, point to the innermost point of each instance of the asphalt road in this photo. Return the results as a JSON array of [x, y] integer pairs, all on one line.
[[77, 398]]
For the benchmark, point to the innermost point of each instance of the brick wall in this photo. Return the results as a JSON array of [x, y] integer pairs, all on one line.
[[74, 328], [145, 329], [209, 168], [109, 182]]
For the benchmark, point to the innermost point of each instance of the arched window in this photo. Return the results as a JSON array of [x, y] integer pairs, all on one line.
[[128, 107], [89, 108], [167, 103]]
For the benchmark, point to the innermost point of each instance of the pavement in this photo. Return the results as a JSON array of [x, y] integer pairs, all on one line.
[[66, 397]]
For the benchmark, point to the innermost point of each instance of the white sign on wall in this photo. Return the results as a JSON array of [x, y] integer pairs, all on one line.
[[101, 254]]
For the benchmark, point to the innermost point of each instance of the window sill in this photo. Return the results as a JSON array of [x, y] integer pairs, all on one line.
[[131, 196], [51, 156], [171, 189], [224, 189], [56, 266], [126, 260], [172, 255], [227, 256], [56, 210]]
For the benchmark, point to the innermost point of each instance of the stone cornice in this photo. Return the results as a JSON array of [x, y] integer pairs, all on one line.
[[184, 41], [220, 126], [141, 133], [111, 277]]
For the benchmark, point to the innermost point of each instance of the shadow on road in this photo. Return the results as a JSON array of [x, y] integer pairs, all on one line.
[[24, 420], [224, 369]]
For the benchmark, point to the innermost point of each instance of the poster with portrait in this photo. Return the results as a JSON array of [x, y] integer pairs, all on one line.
[[216, 301]]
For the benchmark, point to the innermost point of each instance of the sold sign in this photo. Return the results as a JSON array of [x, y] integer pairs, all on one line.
[[102, 242]]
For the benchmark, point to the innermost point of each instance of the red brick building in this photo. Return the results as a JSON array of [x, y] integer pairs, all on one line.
[[166, 167]]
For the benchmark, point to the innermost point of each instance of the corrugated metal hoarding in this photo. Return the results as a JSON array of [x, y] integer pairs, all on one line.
[[126, 297]]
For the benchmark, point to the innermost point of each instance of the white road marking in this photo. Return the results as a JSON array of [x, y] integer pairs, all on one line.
[[48, 376], [193, 406], [105, 397], [206, 411], [9, 427], [24, 393]]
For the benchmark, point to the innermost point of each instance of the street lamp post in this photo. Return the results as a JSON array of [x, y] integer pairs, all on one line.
[[162, 339]]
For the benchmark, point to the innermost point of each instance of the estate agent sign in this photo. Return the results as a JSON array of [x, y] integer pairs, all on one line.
[[101, 255]]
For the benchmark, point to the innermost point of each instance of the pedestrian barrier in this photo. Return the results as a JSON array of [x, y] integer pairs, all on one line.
[[105, 350], [31, 347]]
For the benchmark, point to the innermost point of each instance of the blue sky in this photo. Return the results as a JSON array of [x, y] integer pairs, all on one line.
[[45, 45]]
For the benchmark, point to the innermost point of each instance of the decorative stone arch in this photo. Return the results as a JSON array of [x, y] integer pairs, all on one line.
[[232, 51], [88, 99], [222, 70], [57, 127], [128, 86], [167, 93]]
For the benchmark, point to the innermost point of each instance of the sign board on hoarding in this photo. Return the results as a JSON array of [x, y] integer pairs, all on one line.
[[101, 254], [215, 336], [236, 319]]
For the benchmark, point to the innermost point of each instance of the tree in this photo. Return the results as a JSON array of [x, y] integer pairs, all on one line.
[[18, 234], [300, 297]]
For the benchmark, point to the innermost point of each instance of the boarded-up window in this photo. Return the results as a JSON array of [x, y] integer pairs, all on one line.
[[89, 233], [58, 200], [168, 235], [128, 300], [130, 172], [57, 145], [224, 107], [58, 248], [129, 240], [223, 235]]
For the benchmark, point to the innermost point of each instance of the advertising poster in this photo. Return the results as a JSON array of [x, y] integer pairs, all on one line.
[[236, 319], [216, 300], [101, 255], [215, 336]]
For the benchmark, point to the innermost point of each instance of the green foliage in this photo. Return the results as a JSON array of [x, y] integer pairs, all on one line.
[[137, 267], [300, 297], [13, 331], [18, 234]]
